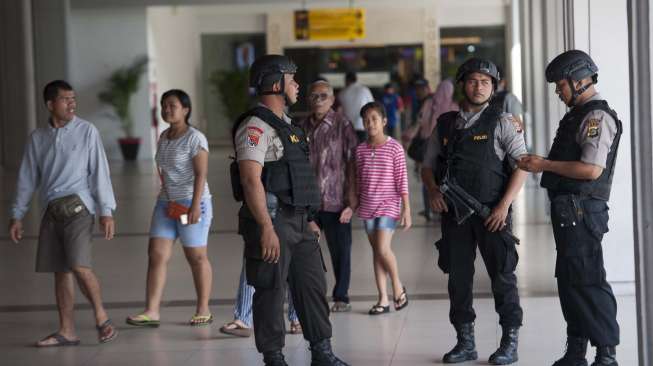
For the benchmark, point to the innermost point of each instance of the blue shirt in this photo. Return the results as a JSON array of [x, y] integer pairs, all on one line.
[[391, 104], [64, 161]]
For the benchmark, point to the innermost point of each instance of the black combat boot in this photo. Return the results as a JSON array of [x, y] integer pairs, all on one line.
[[605, 356], [507, 351], [322, 355], [274, 358], [575, 353], [465, 349]]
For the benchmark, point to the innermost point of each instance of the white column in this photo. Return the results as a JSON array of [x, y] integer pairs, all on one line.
[[17, 95], [640, 15], [51, 46]]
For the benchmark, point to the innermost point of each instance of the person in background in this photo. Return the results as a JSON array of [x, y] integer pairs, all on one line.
[[332, 143], [422, 93], [241, 326], [508, 102], [182, 159], [435, 105], [352, 98], [382, 186], [65, 161], [394, 106]]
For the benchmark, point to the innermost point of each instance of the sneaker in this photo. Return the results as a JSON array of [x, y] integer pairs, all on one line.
[[340, 307]]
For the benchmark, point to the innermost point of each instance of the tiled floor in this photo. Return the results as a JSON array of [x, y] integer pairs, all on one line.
[[418, 336]]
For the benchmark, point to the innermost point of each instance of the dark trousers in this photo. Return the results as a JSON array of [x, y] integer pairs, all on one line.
[[500, 260], [586, 298], [338, 237], [300, 266]]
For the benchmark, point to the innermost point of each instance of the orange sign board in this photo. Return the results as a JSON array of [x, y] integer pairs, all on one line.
[[330, 24]]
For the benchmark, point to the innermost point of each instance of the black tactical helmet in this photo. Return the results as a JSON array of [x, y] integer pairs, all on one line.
[[573, 64], [483, 66], [269, 69]]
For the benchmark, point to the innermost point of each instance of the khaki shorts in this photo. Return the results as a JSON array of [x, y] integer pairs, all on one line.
[[65, 242]]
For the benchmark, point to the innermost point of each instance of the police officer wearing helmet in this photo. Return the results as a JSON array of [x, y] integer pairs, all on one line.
[[274, 179], [578, 177], [478, 147]]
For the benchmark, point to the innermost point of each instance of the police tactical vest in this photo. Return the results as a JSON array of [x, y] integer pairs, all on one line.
[[290, 178], [468, 156], [566, 148]]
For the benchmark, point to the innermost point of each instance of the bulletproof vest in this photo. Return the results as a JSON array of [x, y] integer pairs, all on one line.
[[290, 178], [499, 99], [469, 157], [566, 148]]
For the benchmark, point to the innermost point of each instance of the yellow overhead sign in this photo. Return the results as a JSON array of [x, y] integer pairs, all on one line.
[[330, 24]]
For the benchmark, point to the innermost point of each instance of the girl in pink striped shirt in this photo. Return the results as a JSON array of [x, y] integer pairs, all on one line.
[[382, 186]]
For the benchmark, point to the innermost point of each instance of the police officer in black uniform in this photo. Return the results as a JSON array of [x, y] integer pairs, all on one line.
[[275, 180], [578, 177], [478, 148]]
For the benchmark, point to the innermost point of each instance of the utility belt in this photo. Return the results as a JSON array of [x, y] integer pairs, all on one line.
[[275, 205], [66, 208]]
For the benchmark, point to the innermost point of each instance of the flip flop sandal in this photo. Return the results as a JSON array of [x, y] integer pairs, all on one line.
[[61, 341], [295, 328], [236, 329], [106, 332], [398, 304], [142, 320], [379, 309], [201, 320]]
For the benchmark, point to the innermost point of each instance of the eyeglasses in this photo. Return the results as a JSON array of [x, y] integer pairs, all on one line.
[[318, 96]]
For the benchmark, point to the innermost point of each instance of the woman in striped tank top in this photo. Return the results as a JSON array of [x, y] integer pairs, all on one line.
[[182, 160], [382, 186]]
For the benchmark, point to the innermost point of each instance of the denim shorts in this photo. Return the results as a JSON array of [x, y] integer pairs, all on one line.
[[195, 235], [380, 223]]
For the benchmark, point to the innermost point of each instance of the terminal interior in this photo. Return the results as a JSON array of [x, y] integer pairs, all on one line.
[[194, 44]]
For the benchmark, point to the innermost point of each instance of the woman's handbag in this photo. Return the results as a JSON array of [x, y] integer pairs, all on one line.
[[175, 210]]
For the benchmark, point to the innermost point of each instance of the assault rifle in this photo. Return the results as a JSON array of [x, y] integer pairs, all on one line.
[[464, 206]]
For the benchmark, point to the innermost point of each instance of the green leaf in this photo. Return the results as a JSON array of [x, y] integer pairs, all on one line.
[[122, 84]]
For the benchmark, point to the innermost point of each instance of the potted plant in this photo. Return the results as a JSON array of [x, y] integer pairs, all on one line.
[[122, 85], [232, 87]]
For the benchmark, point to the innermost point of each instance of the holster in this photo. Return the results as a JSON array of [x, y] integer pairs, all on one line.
[[442, 247], [236, 186]]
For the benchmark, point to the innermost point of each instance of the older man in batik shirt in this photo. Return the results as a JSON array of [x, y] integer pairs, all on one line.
[[332, 143]]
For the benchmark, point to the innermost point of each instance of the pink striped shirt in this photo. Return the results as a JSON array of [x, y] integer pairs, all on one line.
[[382, 179]]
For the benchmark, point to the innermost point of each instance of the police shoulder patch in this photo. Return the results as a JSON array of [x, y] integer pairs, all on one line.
[[509, 118], [593, 127], [253, 136]]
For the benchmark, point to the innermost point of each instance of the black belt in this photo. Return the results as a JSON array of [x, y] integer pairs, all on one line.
[[299, 210]]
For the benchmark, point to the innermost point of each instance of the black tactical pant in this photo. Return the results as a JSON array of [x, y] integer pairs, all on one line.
[[300, 266], [587, 301], [457, 252]]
